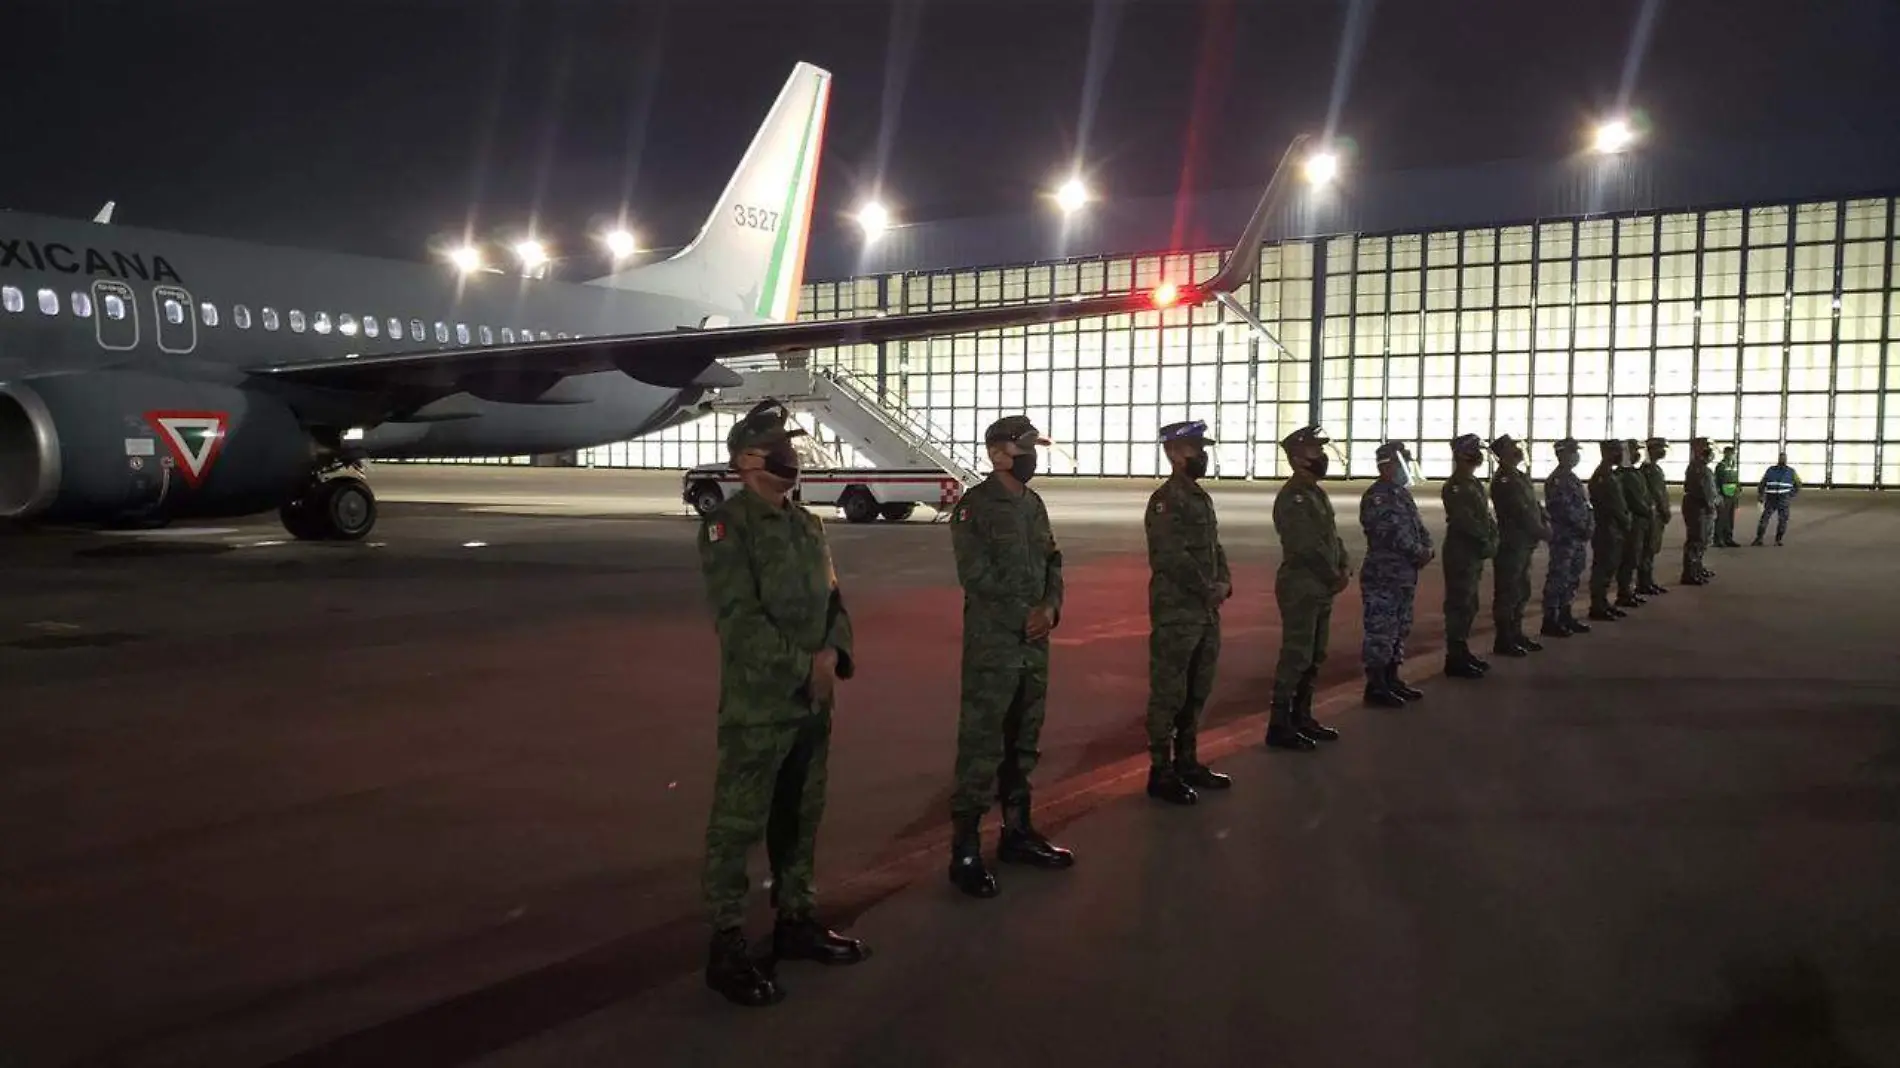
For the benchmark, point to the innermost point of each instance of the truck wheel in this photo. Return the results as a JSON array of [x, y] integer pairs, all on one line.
[[858, 504], [896, 513], [707, 496]]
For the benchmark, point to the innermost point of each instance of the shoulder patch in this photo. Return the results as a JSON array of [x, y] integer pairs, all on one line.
[[1299, 498], [1161, 506], [1378, 499], [963, 514], [716, 532]]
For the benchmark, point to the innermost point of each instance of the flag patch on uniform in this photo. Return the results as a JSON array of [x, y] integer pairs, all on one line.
[[1376, 499], [716, 532], [963, 514], [1161, 507]]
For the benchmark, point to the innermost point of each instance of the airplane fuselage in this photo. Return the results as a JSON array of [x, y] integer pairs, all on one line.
[[94, 297]]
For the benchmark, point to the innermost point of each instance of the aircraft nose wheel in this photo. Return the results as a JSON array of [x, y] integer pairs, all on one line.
[[340, 509]]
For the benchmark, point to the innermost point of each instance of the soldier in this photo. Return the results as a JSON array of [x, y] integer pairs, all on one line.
[[1471, 538], [1397, 547], [1571, 525], [1699, 499], [1613, 520], [1521, 525], [1636, 540], [1011, 571], [784, 641], [1314, 569], [1657, 484], [1728, 482], [1189, 581]]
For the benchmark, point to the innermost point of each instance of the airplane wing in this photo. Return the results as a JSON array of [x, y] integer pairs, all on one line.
[[686, 357]]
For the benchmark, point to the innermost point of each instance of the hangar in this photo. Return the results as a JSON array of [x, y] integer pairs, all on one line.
[[1738, 292]]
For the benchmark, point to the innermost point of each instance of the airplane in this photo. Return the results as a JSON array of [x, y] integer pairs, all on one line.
[[148, 376]]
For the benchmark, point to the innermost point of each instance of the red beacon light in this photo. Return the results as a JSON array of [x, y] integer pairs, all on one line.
[[1165, 295]]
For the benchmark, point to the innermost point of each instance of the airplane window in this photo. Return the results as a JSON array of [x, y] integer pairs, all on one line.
[[395, 329], [560, 337], [507, 335], [241, 316], [115, 307], [322, 322], [82, 304], [296, 321], [208, 312], [442, 333], [416, 331], [527, 334], [545, 336], [488, 336], [174, 312], [346, 324], [49, 302], [461, 333], [12, 299], [270, 318], [371, 328]]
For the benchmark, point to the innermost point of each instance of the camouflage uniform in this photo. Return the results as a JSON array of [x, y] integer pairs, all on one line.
[[1657, 484], [1641, 527], [1471, 538], [1008, 563], [1313, 569], [1728, 481], [1571, 525], [1700, 499], [1397, 545], [775, 603], [1521, 525], [1186, 562], [1613, 521]]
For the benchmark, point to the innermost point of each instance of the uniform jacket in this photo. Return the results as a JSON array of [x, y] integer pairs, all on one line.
[[1471, 531], [1728, 478], [1636, 494], [775, 602], [1658, 485], [1310, 549], [1571, 517], [1007, 561], [1397, 542], [1185, 558], [1612, 504], [1698, 489], [1520, 521], [1779, 481]]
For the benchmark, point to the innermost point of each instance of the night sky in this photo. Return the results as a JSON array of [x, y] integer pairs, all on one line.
[[379, 127]]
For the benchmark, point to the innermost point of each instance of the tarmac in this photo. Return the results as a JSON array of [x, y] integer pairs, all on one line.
[[437, 800]]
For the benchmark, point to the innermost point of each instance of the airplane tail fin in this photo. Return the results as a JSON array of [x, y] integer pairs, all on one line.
[[749, 257]]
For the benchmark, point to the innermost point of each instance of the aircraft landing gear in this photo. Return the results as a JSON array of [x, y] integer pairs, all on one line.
[[342, 508]]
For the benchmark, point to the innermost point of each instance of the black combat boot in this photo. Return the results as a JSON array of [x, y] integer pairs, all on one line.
[[731, 970], [803, 938], [1189, 769], [1379, 692], [1505, 644], [1165, 785], [1554, 626], [1281, 733], [1398, 686], [1303, 711], [1022, 845], [1459, 663], [1692, 580], [966, 859], [1526, 642], [1630, 600], [1572, 624]]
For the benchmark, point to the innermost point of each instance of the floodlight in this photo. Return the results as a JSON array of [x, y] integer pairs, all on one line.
[[874, 218], [467, 259], [1614, 136], [531, 253], [620, 244], [1072, 196], [1322, 167]]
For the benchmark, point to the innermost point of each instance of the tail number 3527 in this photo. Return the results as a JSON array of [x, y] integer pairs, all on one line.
[[755, 218]]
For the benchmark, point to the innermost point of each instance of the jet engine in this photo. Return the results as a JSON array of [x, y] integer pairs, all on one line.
[[110, 446]]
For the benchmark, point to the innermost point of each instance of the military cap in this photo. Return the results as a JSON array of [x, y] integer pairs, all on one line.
[[1193, 429], [1657, 443], [1304, 436], [1698, 442], [1016, 428], [761, 428], [1502, 443], [1465, 443], [1728, 448], [1567, 445], [1392, 449]]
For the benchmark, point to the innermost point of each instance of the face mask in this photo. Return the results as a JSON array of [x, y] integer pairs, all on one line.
[[1569, 459], [782, 462], [1317, 465], [1023, 467], [1197, 466]]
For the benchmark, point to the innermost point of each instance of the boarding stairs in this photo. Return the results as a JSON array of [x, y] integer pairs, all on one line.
[[887, 433]]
